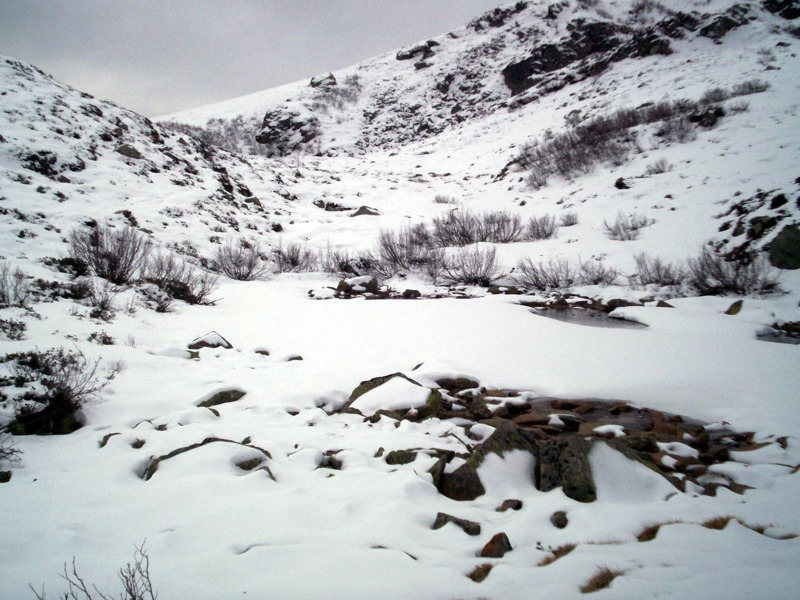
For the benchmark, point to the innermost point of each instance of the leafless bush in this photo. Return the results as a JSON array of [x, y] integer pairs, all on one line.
[[568, 219], [101, 299], [295, 258], [555, 274], [58, 382], [626, 227], [8, 449], [751, 86], [541, 228], [680, 130], [180, 279], [14, 287], [711, 274], [457, 227], [472, 266], [501, 227], [240, 259], [662, 165], [135, 578], [341, 261], [409, 248], [714, 95], [442, 199], [594, 272], [656, 271], [114, 254]]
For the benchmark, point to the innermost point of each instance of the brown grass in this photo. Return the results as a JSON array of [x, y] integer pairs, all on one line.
[[556, 554], [648, 533], [481, 572], [720, 522], [600, 580]]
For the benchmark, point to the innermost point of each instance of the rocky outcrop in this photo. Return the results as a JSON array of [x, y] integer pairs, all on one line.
[[784, 250]]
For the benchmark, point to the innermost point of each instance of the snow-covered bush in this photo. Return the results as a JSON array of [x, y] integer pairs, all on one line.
[[472, 266], [240, 259], [118, 255], [49, 388], [626, 227], [712, 274]]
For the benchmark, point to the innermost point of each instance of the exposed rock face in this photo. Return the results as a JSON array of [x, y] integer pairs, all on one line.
[[326, 80], [284, 130], [784, 250], [468, 527]]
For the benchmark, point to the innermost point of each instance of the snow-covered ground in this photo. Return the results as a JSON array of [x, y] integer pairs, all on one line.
[[364, 530]]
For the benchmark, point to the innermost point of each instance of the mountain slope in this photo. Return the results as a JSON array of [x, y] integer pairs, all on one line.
[[369, 439]]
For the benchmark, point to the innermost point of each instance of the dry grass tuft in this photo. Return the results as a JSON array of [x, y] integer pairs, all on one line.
[[720, 522], [649, 533], [481, 572], [556, 554], [600, 580]]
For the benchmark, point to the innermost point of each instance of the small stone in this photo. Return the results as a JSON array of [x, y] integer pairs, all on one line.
[[468, 527], [735, 308], [210, 340], [400, 457], [294, 357], [5, 476], [510, 504], [559, 519], [497, 546]]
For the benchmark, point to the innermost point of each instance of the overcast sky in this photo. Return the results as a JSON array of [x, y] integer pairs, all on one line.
[[162, 56]]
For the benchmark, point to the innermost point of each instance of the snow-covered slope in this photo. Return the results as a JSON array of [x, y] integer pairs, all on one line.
[[287, 484]]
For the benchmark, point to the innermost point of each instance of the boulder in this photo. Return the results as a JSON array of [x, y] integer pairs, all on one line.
[[128, 151], [564, 462], [463, 484], [784, 250], [559, 519], [400, 457], [326, 80], [510, 504], [497, 546], [210, 340], [223, 397]]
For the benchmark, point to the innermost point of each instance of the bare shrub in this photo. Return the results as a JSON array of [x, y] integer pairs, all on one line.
[[295, 258], [135, 578], [240, 259], [626, 227], [739, 106], [710, 274], [662, 165], [341, 261], [501, 228], [180, 279], [568, 219], [101, 299], [656, 271], [541, 228], [8, 449], [714, 95], [13, 329], [751, 86], [679, 130], [442, 199], [472, 266], [58, 382], [114, 254], [555, 274], [406, 249], [14, 286], [594, 272], [457, 227]]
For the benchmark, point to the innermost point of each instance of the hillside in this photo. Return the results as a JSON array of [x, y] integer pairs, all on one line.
[[508, 327]]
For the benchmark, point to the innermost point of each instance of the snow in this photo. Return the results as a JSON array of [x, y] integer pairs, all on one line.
[[214, 530]]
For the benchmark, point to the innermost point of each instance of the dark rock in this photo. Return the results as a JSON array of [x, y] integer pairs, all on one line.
[[5, 476], [223, 397], [457, 384], [559, 519], [371, 384], [411, 294], [249, 464], [663, 304], [366, 211], [294, 357], [564, 462], [128, 150], [400, 457], [462, 484], [497, 546], [615, 303], [620, 184], [784, 250], [210, 340], [707, 118], [137, 443], [437, 470], [327, 80], [788, 9], [468, 527], [510, 504], [331, 461], [423, 50]]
